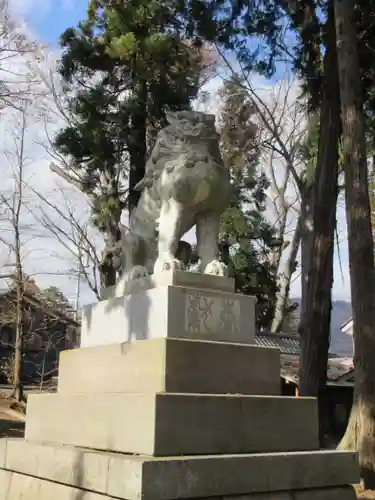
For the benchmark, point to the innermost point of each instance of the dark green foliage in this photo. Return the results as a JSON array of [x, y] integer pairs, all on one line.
[[122, 67], [123, 64], [244, 227]]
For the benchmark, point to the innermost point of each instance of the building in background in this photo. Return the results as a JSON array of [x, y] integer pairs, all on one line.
[[47, 331], [347, 327], [338, 396]]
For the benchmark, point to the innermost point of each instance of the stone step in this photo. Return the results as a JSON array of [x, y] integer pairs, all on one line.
[[174, 424], [170, 312], [170, 365], [14, 486], [134, 477]]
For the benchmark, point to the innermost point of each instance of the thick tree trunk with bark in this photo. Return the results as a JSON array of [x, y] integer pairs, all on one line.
[[306, 241], [315, 324], [360, 434]]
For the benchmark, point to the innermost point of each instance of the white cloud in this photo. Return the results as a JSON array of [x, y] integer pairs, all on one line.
[[38, 10], [30, 9], [49, 261]]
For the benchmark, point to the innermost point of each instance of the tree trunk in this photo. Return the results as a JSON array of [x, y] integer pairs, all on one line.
[[306, 241], [138, 145], [18, 201], [108, 271], [360, 434], [111, 232], [137, 160], [286, 277], [19, 342], [315, 324], [20, 288]]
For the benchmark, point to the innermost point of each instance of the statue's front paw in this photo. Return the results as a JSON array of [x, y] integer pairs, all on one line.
[[217, 268], [167, 265], [136, 273]]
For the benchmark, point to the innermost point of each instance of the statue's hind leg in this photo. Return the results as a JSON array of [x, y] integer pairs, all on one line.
[[208, 226], [172, 226]]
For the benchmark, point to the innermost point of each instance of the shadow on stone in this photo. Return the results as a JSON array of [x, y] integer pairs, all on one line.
[[78, 476]]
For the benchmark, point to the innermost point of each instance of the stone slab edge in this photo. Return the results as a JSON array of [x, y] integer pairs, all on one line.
[[133, 477], [340, 493], [14, 486], [176, 278]]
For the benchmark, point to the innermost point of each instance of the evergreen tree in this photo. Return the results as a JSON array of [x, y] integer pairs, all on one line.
[[244, 228], [122, 67]]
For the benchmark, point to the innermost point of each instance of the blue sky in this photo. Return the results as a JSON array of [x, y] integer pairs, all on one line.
[[47, 19]]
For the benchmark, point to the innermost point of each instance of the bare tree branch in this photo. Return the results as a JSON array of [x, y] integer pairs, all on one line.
[[17, 54], [283, 129], [73, 236]]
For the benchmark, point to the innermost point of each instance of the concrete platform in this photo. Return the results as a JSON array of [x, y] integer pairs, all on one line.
[[134, 477], [170, 365], [174, 424], [170, 312]]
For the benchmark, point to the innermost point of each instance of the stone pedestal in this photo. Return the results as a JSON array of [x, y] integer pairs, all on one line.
[[178, 305], [169, 418]]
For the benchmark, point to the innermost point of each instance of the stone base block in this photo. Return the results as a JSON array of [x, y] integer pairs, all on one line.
[[170, 365], [174, 424], [318, 475], [173, 312]]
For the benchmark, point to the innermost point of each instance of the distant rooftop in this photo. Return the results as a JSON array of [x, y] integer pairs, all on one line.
[[340, 371], [287, 344], [347, 325]]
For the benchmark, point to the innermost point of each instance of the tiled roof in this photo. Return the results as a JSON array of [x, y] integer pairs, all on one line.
[[346, 323], [286, 343], [340, 370]]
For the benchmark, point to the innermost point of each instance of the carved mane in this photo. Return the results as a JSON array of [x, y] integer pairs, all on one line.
[[177, 138]]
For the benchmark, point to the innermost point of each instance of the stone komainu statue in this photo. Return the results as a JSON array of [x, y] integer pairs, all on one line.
[[185, 184]]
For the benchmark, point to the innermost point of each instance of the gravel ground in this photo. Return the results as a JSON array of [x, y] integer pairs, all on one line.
[[364, 495], [9, 425]]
